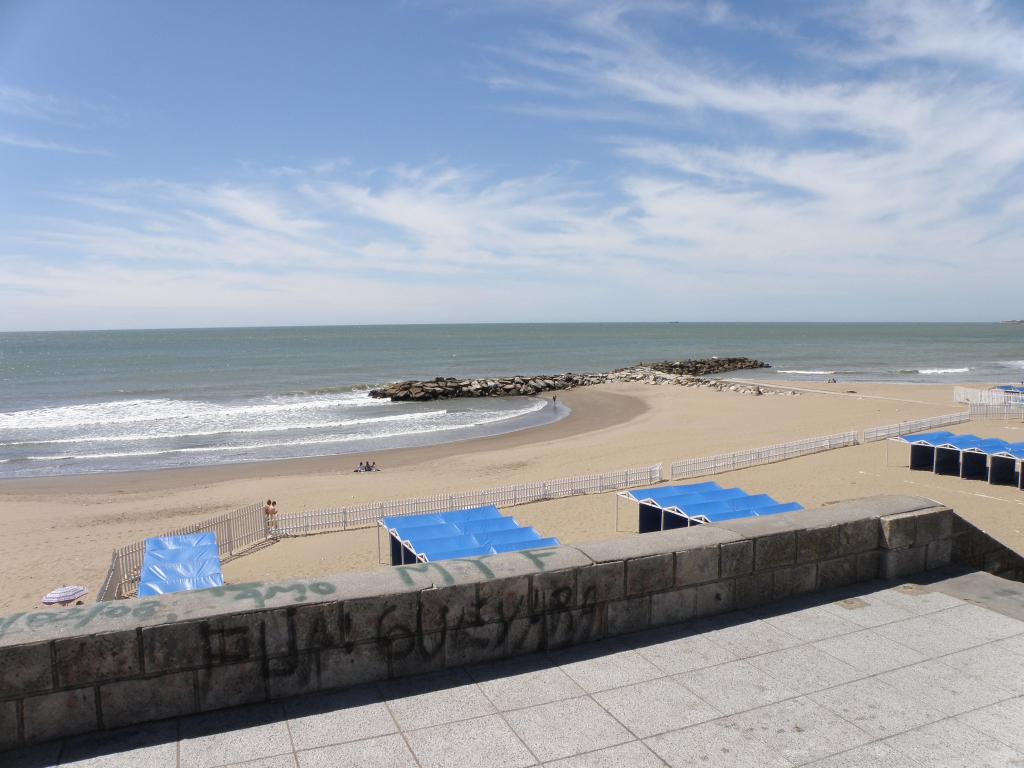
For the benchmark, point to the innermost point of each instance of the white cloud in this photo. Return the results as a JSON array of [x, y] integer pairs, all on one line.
[[977, 32]]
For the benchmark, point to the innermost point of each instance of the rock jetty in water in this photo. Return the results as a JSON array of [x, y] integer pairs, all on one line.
[[684, 373], [708, 367]]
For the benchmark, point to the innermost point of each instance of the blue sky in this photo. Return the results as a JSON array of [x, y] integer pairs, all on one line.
[[250, 163]]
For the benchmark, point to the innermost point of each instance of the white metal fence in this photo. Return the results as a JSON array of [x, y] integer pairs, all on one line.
[[365, 515], [986, 396], [917, 425], [236, 532], [710, 465], [987, 411]]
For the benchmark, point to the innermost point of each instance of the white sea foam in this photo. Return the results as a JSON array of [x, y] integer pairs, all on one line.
[[932, 371], [1012, 363], [284, 427], [810, 373], [153, 410], [479, 419]]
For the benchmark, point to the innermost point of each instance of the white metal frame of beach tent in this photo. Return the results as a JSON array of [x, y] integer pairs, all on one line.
[[910, 447], [624, 495], [391, 534], [649, 502], [673, 510]]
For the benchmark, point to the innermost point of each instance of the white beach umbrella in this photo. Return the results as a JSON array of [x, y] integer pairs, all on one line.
[[65, 594]]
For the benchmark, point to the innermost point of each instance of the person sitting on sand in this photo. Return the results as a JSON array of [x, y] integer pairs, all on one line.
[[361, 468], [372, 467]]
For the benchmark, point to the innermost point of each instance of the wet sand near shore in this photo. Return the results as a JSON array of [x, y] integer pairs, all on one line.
[[62, 529]]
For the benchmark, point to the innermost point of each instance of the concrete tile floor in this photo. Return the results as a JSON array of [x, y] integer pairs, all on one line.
[[880, 675]]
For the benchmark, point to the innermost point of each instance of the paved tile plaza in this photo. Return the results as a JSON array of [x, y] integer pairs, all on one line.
[[877, 675]]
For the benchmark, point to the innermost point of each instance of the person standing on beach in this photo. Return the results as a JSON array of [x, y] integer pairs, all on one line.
[[273, 515], [267, 511]]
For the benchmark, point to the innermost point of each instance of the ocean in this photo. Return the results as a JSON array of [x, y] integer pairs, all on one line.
[[101, 401]]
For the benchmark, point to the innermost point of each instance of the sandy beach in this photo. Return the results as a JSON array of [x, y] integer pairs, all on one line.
[[63, 529]]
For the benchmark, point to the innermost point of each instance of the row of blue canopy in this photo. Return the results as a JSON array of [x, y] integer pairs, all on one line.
[[1012, 389], [180, 564], [461, 533], [967, 456], [701, 503], [972, 443]]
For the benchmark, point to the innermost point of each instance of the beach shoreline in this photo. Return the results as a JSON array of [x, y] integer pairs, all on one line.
[[602, 412]]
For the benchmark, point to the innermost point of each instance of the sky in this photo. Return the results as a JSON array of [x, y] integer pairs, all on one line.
[[195, 163]]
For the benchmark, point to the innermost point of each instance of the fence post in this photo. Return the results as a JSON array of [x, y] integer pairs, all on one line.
[[119, 591]]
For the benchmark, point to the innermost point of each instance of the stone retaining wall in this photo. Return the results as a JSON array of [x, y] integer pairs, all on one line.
[[71, 671]]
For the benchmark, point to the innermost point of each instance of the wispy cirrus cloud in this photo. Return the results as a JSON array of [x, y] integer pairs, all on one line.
[[21, 102], [28, 142], [979, 32], [41, 114]]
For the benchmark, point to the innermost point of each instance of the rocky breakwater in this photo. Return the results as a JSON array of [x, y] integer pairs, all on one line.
[[643, 374], [683, 372], [708, 367], [507, 386]]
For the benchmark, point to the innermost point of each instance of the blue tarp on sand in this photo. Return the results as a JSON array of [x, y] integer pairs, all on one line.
[[180, 564]]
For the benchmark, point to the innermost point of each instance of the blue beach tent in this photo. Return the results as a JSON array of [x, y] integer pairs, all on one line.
[[437, 554], [922, 448], [518, 547], [480, 528], [459, 533], [717, 513], [460, 516], [657, 495], [180, 564], [779, 509], [747, 504], [673, 509], [680, 506], [680, 500], [926, 438], [517, 535]]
